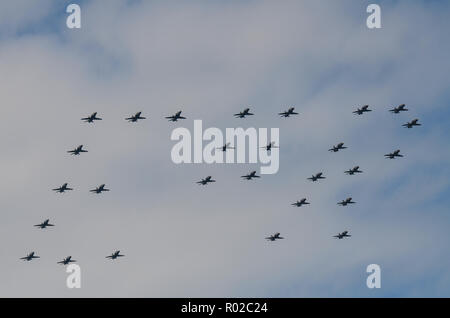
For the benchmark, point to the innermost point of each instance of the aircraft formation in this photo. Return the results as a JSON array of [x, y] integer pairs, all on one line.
[[205, 181]]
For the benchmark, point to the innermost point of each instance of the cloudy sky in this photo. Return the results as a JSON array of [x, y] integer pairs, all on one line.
[[211, 59]]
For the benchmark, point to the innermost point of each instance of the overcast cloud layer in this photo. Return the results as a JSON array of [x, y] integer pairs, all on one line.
[[211, 59]]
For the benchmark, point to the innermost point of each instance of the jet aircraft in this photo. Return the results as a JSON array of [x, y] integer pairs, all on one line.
[[44, 224], [242, 114], [175, 117], [62, 188], [206, 180], [394, 154], [316, 177], [288, 113], [30, 257], [77, 150], [99, 189], [250, 176], [91, 118], [362, 110]]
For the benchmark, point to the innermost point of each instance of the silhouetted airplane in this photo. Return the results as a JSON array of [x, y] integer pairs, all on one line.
[[394, 154], [346, 201], [412, 123], [62, 188], [288, 113], [242, 114], [91, 118], [77, 150], [270, 146], [338, 147], [206, 180], [353, 170], [398, 109], [362, 110], [300, 203], [99, 189], [67, 260], [316, 177], [250, 175], [135, 118], [30, 257], [175, 117], [115, 255], [225, 147], [342, 235], [44, 224], [274, 237]]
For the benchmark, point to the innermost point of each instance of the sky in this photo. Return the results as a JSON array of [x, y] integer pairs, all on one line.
[[212, 59]]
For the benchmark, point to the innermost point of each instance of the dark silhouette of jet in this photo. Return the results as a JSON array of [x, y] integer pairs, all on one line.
[[30, 257], [99, 189], [412, 123], [44, 224], [362, 110], [346, 201], [115, 255], [353, 170], [316, 177], [62, 188], [300, 203], [225, 147], [67, 260], [288, 113], [398, 109], [206, 180], [91, 118], [338, 147], [274, 237], [175, 117], [342, 235], [242, 114], [250, 176], [77, 150], [270, 146], [135, 118], [394, 154]]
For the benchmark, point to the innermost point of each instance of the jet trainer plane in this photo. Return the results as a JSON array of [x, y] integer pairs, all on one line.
[[77, 150], [175, 117], [338, 147], [250, 176], [44, 224], [242, 114], [135, 118], [206, 180], [394, 154], [99, 189], [270, 146], [274, 237], [353, 170], [412, 123], [398, 109], [30, 257], [300, 203], [91, 118], [316, 177], [67, 260], [62, 188], [225, 147], [288, 113], [115, 255], [346, 201], [362, 110], [342, 235]]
